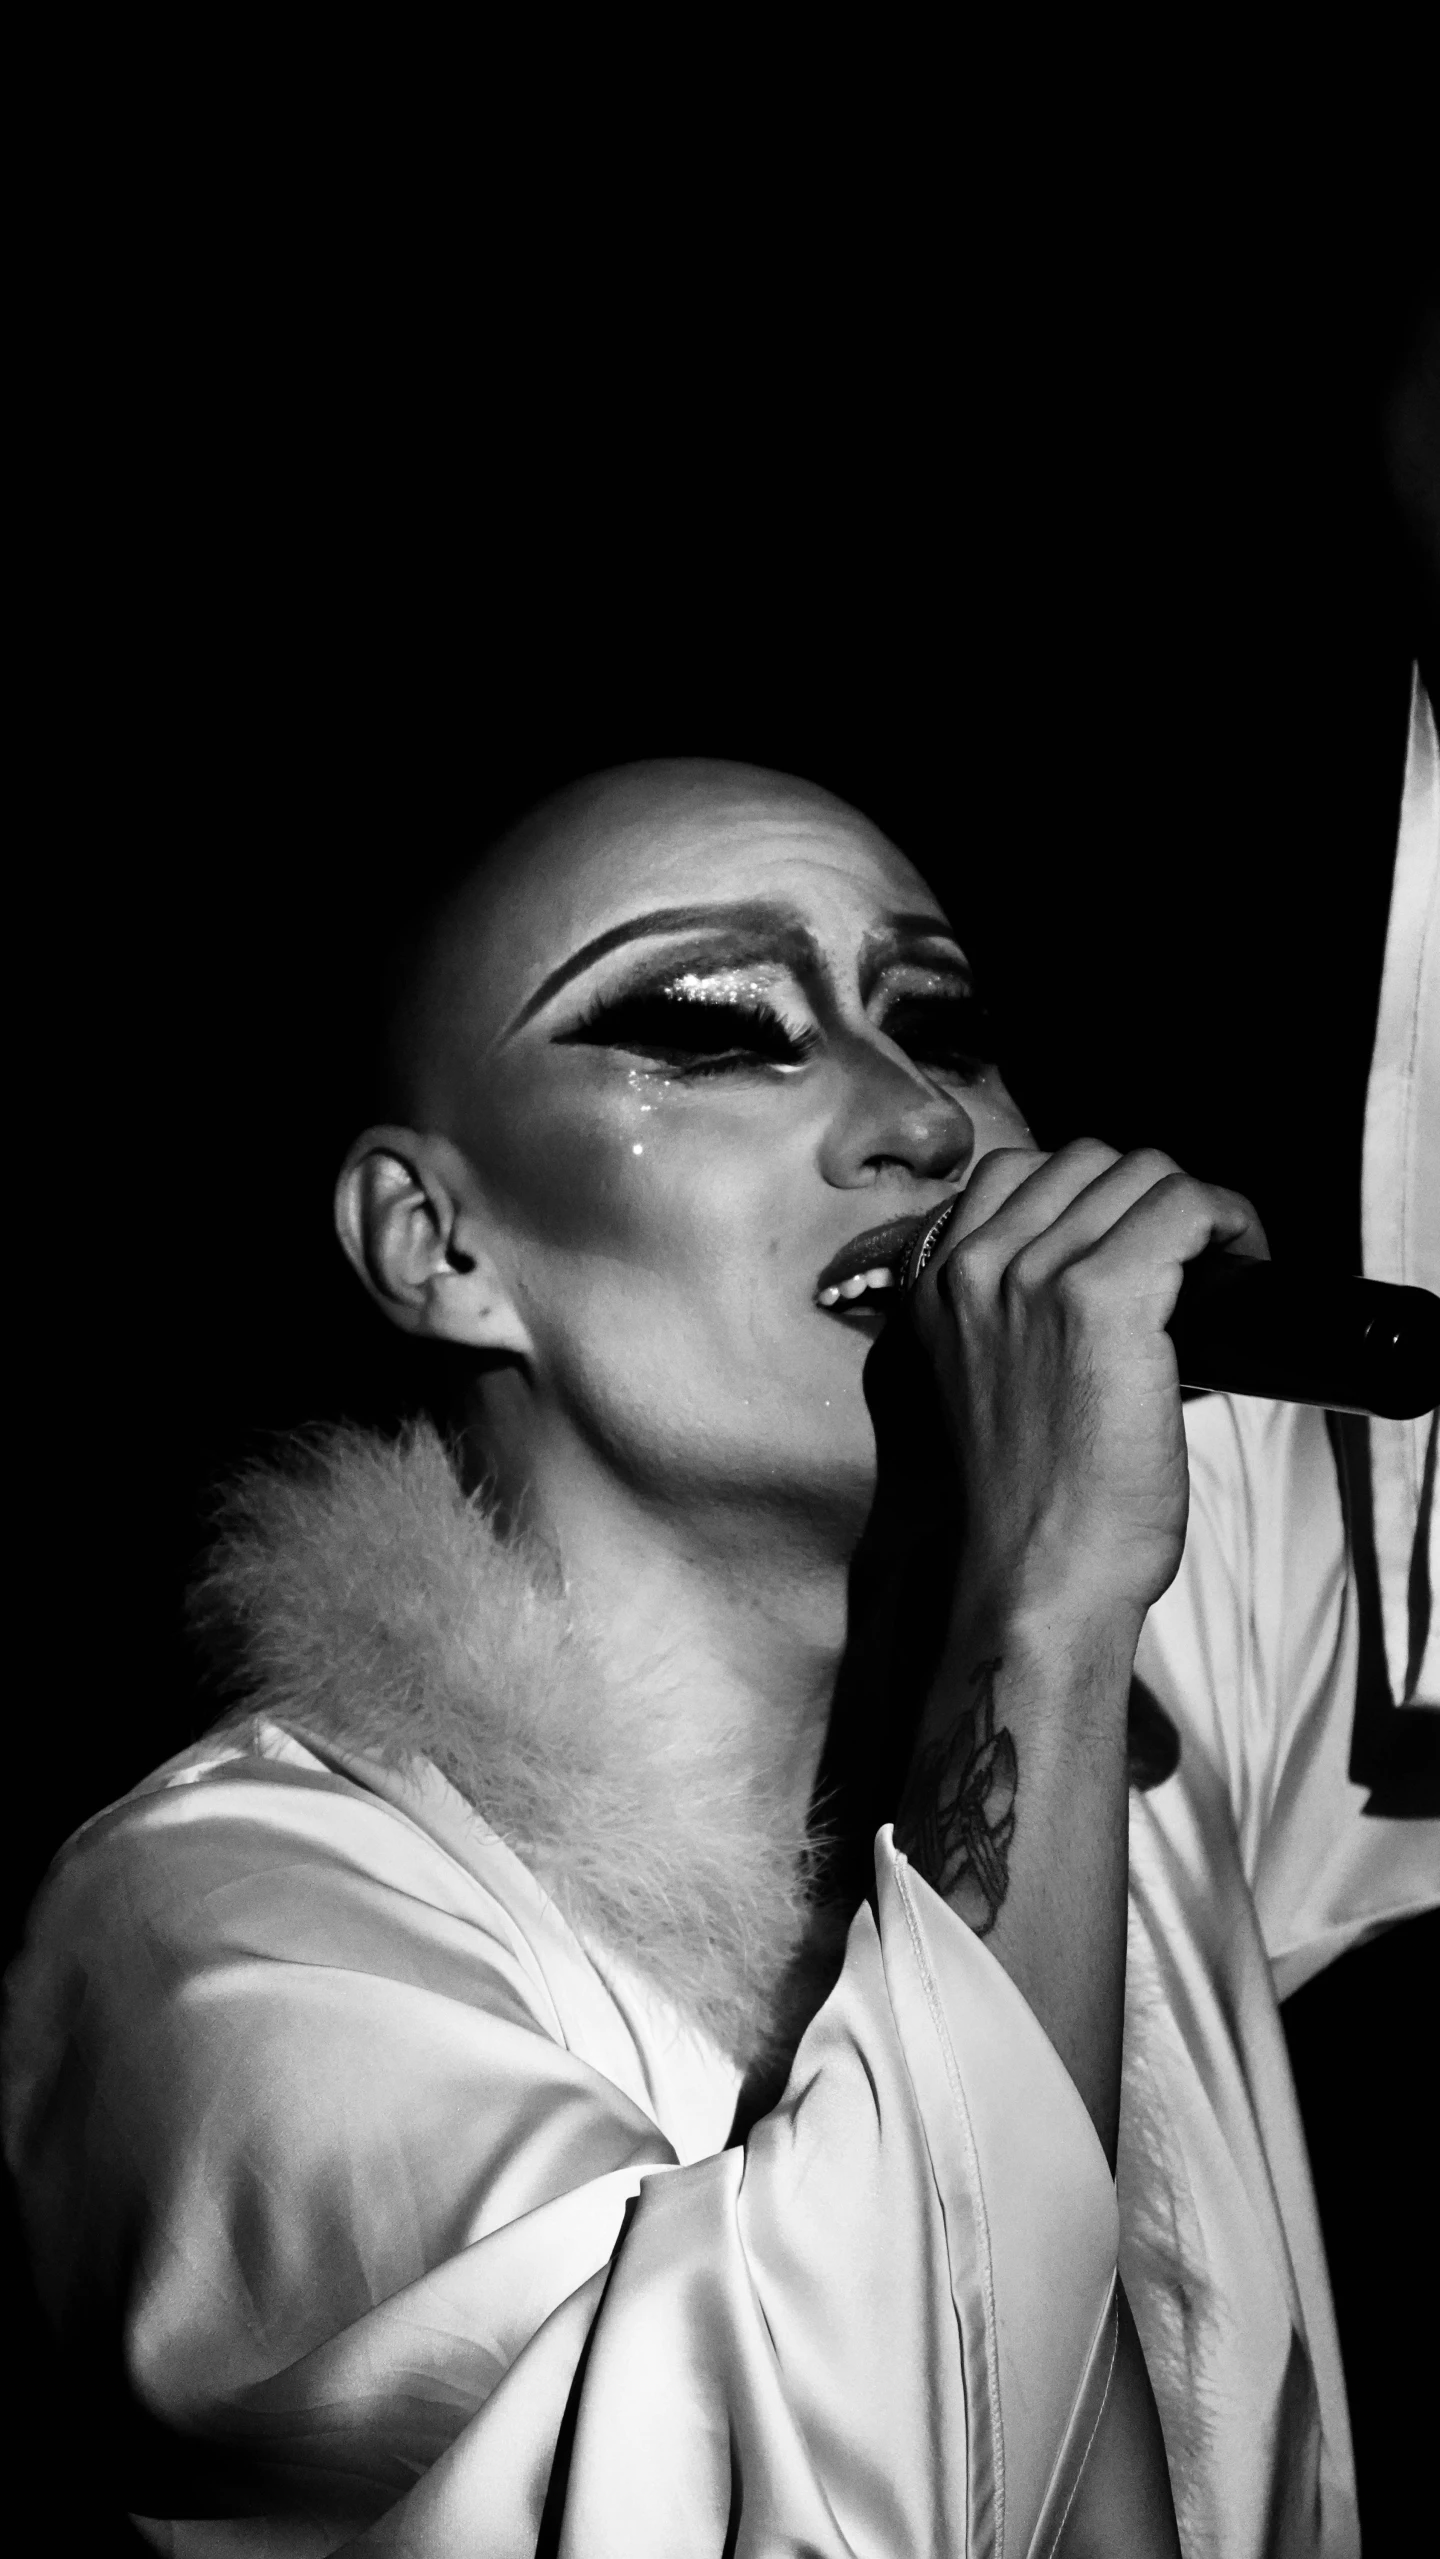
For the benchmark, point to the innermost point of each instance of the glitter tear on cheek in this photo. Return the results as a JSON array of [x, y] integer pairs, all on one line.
[[639, 1081]]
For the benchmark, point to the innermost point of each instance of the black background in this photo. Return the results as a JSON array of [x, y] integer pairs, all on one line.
[[1071, 554]]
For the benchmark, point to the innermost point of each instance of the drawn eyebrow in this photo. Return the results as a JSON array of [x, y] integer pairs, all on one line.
[[747, 916], [896, 939], [755, 915]]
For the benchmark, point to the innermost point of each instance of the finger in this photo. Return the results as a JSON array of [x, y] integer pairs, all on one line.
[[1104, 1202], [991, 1183], [1014, 1193], [1150, 1243]]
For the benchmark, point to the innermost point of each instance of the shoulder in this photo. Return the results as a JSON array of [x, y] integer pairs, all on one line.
[[256, 1995], [249, 1853]]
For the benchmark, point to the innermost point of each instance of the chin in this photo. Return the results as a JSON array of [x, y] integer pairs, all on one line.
[[780, 1422]]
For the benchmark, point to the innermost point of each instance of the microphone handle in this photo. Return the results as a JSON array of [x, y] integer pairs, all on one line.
[[1352, 1345], [1246, 1328]]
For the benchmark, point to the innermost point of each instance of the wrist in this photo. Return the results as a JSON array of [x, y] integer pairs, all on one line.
[[1075, 1638], [1046, 1602]]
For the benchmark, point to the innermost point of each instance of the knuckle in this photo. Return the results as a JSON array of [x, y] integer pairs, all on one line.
[[1236, 1200], [1076, 1287], [995, 1171], [1195, 1197], [961, 1274], [1090, 1153], [1025, 1272], [1155, 1165]]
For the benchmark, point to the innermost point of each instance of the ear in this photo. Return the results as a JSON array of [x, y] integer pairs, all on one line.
[[404, 1219]]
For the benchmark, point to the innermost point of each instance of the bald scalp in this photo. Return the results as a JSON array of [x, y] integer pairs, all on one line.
[[427, 1017]]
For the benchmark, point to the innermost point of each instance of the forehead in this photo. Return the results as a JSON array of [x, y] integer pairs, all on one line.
[[545, 897]]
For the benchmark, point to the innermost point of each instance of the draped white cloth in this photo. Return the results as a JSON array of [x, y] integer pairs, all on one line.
[[1250, 1869], [1401, 1198], [311, 2051]]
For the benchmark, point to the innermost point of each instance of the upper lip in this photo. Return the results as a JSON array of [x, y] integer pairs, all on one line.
[[880, 1247]]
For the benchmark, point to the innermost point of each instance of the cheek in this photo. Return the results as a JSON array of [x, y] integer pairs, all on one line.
[[659, 1263], [636, 1170]]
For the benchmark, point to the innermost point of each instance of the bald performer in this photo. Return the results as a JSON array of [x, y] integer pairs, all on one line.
[[449, 2115]]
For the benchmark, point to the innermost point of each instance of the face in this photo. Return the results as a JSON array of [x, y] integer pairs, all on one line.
[[695, 1053]]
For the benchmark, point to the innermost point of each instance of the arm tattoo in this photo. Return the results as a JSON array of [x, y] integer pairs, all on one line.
[[961, 1803]]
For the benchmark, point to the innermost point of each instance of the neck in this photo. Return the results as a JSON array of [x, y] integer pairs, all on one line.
[[726, 1617]]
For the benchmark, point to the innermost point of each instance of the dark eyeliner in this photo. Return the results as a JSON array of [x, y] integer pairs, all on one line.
[[655, 1022], [951, 1031]]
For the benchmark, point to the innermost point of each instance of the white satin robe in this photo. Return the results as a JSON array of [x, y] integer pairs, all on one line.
[[371, 2121]]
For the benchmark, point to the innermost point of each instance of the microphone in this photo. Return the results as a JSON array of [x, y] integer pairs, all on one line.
[[1299, 1337], [1353, 1345]]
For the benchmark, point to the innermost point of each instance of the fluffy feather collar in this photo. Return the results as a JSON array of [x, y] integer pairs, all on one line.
[[361, 1596]]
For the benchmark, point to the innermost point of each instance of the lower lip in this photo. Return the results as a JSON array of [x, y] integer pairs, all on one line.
[[899, 1264], [874, 1306]]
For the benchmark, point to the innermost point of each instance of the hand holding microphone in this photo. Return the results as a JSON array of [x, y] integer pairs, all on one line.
[[1298, 1337], [1039, 1299], [1042, 1297]]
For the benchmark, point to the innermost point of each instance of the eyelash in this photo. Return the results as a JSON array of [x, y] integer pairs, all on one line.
[[948, 1032], [639, 1022]]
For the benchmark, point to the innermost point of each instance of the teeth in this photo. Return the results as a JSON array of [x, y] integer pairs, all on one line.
[[856, 1287]]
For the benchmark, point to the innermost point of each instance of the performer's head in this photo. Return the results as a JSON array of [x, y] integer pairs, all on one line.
[[687, 1031]]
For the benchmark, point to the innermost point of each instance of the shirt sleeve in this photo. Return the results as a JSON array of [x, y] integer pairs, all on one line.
[[1400, 1218], [364, 2256], [1255, 1650]]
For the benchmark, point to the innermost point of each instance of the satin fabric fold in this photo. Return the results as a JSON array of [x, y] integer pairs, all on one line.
[[400, 2225]]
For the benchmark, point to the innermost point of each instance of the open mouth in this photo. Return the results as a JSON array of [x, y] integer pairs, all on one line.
[[867, 1272]]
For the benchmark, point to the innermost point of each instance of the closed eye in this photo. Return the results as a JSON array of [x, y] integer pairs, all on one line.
[[951, 1034], [693, 1035]]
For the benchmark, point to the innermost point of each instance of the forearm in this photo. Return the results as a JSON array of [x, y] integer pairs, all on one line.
[[1015, 1811], [1123, 2500]]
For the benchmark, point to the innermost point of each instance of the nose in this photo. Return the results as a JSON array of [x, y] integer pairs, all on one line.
[[889, 1117]]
